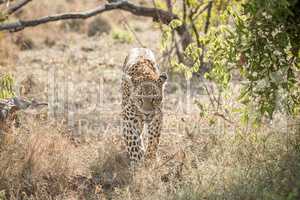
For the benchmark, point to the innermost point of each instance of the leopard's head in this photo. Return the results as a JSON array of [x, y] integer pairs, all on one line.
[[147, 95]]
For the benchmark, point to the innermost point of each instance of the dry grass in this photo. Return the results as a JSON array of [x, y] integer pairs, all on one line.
[[44, 161], [256, 165], [34, 163]]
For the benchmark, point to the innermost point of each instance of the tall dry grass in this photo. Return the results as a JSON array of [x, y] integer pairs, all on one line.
[[34, 162], [41, 161], [254, 165]]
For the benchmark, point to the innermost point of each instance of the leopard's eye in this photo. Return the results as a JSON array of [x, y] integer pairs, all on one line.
[[140, 101], [155, 100]]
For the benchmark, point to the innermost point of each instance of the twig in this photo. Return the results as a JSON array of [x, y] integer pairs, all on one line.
[[198, 13], [208, 7], [15, 7], [195, 31], [132, 31], [170, 6], [154, 4], [11, 105], [208, 93], [223, 117], [219, 100], [178, 51], [157, 15], [169, 159], [208, 17], [184, 11], [213, 91]]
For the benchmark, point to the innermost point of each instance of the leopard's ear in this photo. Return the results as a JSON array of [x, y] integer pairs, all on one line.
[[163, 78]]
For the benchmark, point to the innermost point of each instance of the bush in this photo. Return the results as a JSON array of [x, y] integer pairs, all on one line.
[[24, 43], [72, 25], [98, 26], [122, 36]]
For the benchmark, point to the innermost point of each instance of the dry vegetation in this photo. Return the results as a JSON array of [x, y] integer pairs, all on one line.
[[46, 157]]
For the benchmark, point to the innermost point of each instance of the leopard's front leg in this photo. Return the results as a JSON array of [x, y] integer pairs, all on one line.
[[132, 129], [153, 134]]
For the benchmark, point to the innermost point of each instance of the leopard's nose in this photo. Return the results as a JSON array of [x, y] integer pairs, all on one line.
[[147, 117]]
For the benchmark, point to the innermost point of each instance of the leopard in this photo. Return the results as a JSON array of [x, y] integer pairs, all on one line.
[[142, 100]]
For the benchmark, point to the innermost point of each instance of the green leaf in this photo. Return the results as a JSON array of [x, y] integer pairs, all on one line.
[[6, 86], [175, 23]]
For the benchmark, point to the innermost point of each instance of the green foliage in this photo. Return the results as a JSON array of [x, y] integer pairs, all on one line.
[[122, 36], [161, 4], [261, 46], [218, 55], [258, 40], [166, 36], [193, 53], [3, 17], [175, 23], [2, 195], [6, 87]]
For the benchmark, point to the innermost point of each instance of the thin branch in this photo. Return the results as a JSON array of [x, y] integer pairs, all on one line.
[[173, 156], [192, 17], [178, 51], [199, 12], [208, 7], [126, 23], [154, 4], [15, 7], [208, 17], [211, 99], [10, 106], [157, 15], [223, 117], [195, 31], [184, 11], [170, 6]]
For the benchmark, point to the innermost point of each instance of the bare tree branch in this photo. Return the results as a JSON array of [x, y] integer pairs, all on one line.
[[208, 7], [157, 15], [210, 4], [10, 106], [2, 1], [15, 7], [184, 11], [223, 117], [195, 32]]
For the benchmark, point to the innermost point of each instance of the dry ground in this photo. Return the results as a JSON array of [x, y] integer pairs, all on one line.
[[73, 149]]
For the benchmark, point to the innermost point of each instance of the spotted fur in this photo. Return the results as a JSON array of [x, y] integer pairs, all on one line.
[[142, 95]]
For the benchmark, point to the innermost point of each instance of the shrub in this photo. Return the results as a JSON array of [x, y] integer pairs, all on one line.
[[6, 86], [122, 36], [98, 26], [72, 25]]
